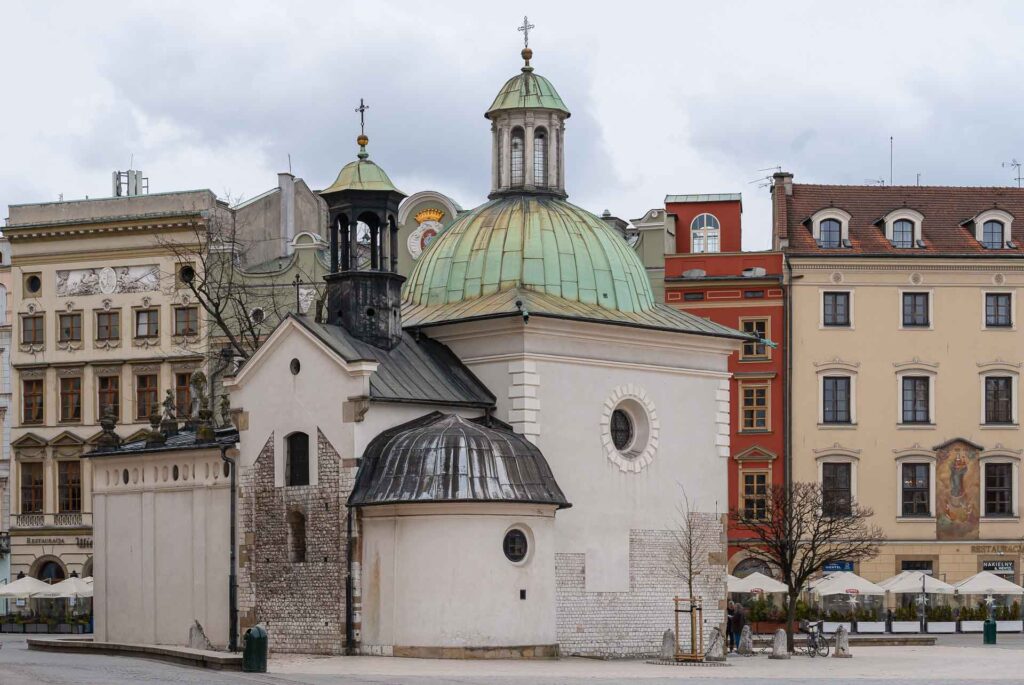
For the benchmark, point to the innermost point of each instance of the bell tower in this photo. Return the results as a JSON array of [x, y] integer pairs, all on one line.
[[527, 126], [364, 289]]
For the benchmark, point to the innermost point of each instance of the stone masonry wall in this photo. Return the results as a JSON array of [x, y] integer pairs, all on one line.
[[302, 605], [632, 623]]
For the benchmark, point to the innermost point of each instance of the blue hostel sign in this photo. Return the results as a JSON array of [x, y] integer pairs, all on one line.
[[834, 566]]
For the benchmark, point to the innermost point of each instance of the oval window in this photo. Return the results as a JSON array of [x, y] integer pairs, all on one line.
[[515, 545], [33, 284], [295, 366], [174, 473], [622, 430]]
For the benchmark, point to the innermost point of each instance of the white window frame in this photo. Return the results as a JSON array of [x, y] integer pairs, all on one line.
[[831, 213], [997, 456], [916, 370], [999, 369], [837, 368], [914, 457], [1013, 309], [993, 215], [705, 233], [821, 309], [903, 214], [931, 308]]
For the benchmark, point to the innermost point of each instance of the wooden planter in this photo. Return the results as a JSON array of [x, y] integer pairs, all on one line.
[[870, 626], [941, 626], [906, 627], [972, 626], [769, 627], [64, 628], [1009, 626]]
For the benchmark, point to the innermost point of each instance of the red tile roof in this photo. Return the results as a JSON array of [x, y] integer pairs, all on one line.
[[945, 210]]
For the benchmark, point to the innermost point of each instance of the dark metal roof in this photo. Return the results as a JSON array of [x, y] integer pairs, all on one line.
[[183, 440], [418, 370], [445, 458]]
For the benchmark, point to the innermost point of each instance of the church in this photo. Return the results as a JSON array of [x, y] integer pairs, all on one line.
[[484, 459]]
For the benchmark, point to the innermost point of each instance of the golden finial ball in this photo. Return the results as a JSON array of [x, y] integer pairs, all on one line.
[[527, 54], [362, 140]]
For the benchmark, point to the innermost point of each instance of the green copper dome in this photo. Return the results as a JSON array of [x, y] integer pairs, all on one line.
[[361, 174], [531, 243], [527, 90]]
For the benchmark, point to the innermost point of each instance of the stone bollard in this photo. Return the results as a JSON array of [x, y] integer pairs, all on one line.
[[716, 645], [842, 644], [668, 645], [746, 647], [779, 647]]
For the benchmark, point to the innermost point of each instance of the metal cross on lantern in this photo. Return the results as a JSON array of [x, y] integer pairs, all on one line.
[[525, 28], [362, 116]]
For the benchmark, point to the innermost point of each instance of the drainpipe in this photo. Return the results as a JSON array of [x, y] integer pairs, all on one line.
[[232, 463], [350, 625], [787, 390]]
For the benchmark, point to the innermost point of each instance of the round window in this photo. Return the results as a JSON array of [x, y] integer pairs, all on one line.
[[33, 283], [257, 315], [186, 273], [515, 545], [622, 430]]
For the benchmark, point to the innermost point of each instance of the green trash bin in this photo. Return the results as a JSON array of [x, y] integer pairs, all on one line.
[[990, 631], [254, 653]]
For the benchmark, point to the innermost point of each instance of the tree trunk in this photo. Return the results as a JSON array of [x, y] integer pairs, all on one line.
[[790, 617]]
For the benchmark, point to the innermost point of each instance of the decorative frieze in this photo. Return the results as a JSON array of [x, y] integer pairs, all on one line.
[[108, 280]]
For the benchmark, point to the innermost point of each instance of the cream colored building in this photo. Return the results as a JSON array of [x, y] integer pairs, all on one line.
[[906, 357]]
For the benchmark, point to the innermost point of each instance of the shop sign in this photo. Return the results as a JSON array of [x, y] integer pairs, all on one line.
[[997, 566], [84, 542], [997, 549], [835, 566], [45, 541]]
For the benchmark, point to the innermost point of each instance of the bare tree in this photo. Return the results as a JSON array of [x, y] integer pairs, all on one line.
[[799, 533], [693, 548]]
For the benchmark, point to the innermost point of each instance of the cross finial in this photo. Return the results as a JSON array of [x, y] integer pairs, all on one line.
[[362, 116], [525, 28]]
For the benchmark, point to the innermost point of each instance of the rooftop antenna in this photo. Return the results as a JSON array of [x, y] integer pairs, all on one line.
[[766, 181], [874, 181], [918, 178], [1016, 165], [890, 160], [289, 162]]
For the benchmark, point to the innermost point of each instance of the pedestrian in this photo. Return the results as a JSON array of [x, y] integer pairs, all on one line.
[[728, 626], [739, 619]]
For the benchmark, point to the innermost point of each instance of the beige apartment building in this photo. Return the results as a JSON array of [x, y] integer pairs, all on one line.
[[907, 349]]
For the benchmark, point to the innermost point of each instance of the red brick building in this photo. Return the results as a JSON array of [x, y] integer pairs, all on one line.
[[710, 275]]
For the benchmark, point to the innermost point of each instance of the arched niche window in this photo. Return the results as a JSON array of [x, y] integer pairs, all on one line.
[[540, 157], [704, 233], [296, 537], [993, 228], [297, 461], [518, 151], [903, 228], [51, 572]]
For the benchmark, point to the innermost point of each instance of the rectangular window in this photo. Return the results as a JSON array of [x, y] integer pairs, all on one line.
[[836, 309], [998, 399], [109, 395], [753, 294], [755, 495], [997, 310], [183, 394], [69, 486], [32, 330], [108, 325], [70, 399], [146, 396], [916, 399], [186, 321], [70, 327], [751, 349], [835, 396], [915, 310], [147, 323], [916, 490], [923, 565], [693, 297], [755, 407], [31, 487], [998, 489], [32, 401], [836, 495]]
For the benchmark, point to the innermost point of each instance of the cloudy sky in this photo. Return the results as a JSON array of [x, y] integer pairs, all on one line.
[[667, 97]]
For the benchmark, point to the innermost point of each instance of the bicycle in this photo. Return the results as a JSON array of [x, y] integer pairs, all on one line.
[[817, 644]]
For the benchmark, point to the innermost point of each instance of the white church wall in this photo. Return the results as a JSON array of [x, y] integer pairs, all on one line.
[[161, 547], [435, 576]]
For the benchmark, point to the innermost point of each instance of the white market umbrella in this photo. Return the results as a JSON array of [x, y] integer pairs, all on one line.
[[910, 583], [757, 583], [985, 583], [847, 583], [23, 588], [730, 580], [72, 587]]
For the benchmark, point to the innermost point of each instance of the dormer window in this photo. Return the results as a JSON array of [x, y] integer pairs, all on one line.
[[831, 228], [992, 229], [992, 235], [903, 228], [704, 233]]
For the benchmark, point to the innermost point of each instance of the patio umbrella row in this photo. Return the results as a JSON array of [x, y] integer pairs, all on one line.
[[32, 588], [846, 583]]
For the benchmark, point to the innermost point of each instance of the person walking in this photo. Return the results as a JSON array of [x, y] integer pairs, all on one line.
[[729, 614], [739, 619]]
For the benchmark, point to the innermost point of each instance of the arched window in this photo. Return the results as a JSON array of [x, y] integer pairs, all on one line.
[[831, 233], [51, 572], [297, 463], [518, 150], [540, 157], [903, 233], [296, 537], [992, 235], [704, 231]]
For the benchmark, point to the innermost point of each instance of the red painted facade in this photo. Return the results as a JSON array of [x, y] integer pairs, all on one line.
[[738, 289]]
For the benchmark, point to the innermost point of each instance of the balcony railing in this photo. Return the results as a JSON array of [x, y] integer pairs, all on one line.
[[61, 520]]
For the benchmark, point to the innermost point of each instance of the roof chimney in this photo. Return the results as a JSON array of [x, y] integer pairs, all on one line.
[[286, 184], [781, 189]]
